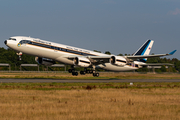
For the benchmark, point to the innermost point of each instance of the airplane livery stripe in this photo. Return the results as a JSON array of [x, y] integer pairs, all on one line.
[[54, 48], [141, 51]]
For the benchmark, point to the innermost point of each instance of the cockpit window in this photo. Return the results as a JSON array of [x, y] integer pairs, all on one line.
[[12, 39]]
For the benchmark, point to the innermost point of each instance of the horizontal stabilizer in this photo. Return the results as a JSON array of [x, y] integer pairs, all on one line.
[[150, 56], [156, 64], [171, 53]]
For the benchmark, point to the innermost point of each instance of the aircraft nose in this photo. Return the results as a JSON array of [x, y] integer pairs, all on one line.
[[5, 42]]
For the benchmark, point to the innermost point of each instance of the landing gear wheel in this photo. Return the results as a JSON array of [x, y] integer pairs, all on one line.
[[91, 71], [96, 74], [75, 73], [20, 58], [82, 72], [87, 71], [71, 70]]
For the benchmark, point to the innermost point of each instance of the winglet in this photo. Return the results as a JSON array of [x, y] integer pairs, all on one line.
[[171, 53]]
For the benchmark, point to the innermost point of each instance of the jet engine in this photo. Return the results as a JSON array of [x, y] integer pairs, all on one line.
[[118, 60], [82, 62], [44, 61]]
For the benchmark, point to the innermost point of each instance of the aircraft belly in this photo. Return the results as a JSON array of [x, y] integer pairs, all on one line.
[[109, 66], [65, 60]]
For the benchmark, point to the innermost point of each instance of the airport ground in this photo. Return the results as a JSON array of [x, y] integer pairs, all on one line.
[[85, 101], [82, 101]]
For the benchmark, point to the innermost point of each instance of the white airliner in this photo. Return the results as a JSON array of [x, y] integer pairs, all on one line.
[[47, 53]]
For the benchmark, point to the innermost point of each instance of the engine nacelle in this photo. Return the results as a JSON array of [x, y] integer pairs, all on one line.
[[44, 61], [118, 60], [82, 62]]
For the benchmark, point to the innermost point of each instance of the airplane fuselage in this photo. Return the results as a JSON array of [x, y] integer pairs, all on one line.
[[59, 52]]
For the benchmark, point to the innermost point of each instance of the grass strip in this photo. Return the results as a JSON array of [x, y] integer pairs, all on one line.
[[87, 86]]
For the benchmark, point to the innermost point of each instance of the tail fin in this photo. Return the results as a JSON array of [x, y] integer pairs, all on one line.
[[144, 49]]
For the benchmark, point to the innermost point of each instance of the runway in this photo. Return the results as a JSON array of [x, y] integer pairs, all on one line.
[[84, 81]]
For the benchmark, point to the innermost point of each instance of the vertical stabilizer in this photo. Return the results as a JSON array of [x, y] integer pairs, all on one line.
[[144, 49]]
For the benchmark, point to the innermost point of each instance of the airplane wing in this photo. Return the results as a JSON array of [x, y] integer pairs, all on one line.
[[95, 59], [106, 59], [150, 56]]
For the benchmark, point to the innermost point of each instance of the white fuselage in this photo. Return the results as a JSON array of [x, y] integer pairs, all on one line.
[[58, 52]]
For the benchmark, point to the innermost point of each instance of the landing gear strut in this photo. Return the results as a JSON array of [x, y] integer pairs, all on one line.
[[95, 74], [19, 54]]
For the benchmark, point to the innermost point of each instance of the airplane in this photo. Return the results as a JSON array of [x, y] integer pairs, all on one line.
[[46, 53]]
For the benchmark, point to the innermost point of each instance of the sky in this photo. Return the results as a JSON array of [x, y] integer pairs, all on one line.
[[118, 26]]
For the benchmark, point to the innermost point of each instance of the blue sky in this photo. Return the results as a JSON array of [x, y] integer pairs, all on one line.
[[118, 26]]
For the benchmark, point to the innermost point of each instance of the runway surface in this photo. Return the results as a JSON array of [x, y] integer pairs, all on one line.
[[84, 81]]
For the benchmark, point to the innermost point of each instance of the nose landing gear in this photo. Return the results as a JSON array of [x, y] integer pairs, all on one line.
[[19, 54]]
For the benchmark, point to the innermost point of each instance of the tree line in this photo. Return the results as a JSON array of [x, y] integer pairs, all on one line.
[[9, 56]]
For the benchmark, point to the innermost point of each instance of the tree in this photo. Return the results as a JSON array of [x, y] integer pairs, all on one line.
[[107, 52], [120, 54], [97, 51], [163, 68]]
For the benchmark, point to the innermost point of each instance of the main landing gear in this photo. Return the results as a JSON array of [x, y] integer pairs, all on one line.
[[74, 73], [95, 74], [72, 70]]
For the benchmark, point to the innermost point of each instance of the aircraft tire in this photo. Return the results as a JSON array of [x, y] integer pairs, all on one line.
[[75, 73], [91, 71], [96, 74], [82, 72], [70, 70], [87, 71]]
